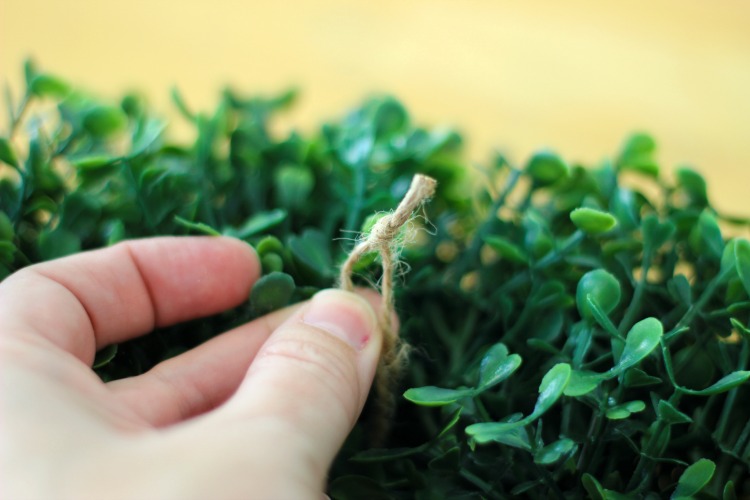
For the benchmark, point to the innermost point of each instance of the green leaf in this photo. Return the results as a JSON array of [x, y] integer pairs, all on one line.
[[269, 244], [44, 85], [694, 479], [742, 261], [638, 155], [554, 452], [729, 492], [552, 387], [640, 341], [452, 421], [198, 227], [293, 185], [671, 415], [104, 121], [602, 287], [90, 163], [545, 167], [58, 243], [592, 221], [638, 378], [506, 249], [6, 228], [7, 252], [496, 366], [508, 433], [656, 233], [705, 238], [8, 153], [693, 184], [729, 382], [104, 356], [271, 292], [257, 224], [435, 396], [582, 382], [312, 250], [624, 410]]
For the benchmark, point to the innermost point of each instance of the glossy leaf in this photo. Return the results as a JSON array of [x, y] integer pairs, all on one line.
[[602, 287], [497, 366], [545, 167], [554, 452], [624, 410], [435, 396], [592, 221], [258, 223], [641, 340], [671, 415], [551, 389], [726, 383], [694, 479], [582, 382]]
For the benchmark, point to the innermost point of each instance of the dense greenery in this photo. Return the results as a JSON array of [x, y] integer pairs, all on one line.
[[577, 331]]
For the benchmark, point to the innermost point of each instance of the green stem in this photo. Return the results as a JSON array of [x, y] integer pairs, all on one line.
[[360, 184], [472, 253], [651, 452], [16, 122], [696, 308], [732, 396], [634, 307]]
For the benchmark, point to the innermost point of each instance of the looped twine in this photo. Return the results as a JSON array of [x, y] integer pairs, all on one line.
[[383, 239]]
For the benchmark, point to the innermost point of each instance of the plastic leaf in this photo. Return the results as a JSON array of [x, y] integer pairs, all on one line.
[[554, 452], [496, 366], [694, 479], [671, 415], [603, 287], [729, 382], [102, 121], [582, 382], [640, 341], [7, 153], [623, 411], [44, 85], [592, 221], [435, 396], [553, 384], [545, 167], [742, 261], [506, 250], [271, 292]]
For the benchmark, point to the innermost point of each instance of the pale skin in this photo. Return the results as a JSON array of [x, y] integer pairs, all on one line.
[[257, 412]]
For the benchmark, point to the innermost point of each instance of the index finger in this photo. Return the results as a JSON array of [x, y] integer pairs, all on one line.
[[86, 301]]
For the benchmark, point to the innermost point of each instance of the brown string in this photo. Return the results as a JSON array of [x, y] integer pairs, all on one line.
[[383, 239]]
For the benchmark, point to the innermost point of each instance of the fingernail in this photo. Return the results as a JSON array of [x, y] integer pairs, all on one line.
[[344, 315]]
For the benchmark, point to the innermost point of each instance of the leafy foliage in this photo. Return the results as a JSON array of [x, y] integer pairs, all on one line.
[[576, 333]]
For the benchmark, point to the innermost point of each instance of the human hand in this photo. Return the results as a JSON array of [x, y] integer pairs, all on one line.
[[257, 412]]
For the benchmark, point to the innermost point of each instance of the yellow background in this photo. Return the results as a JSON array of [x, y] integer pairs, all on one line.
[[576, 76]]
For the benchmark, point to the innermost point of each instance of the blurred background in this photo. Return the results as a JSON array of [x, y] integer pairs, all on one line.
[[575, 76]]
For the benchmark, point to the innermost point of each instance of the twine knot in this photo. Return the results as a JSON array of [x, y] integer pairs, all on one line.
[[383, 239]]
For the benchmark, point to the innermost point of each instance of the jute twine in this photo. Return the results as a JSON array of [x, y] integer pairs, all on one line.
[[383, 239]]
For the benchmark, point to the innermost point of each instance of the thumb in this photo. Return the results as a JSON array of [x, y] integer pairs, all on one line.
[[309, 382]]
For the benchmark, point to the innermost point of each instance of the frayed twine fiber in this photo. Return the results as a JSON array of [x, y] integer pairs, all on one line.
[[383, 239]]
